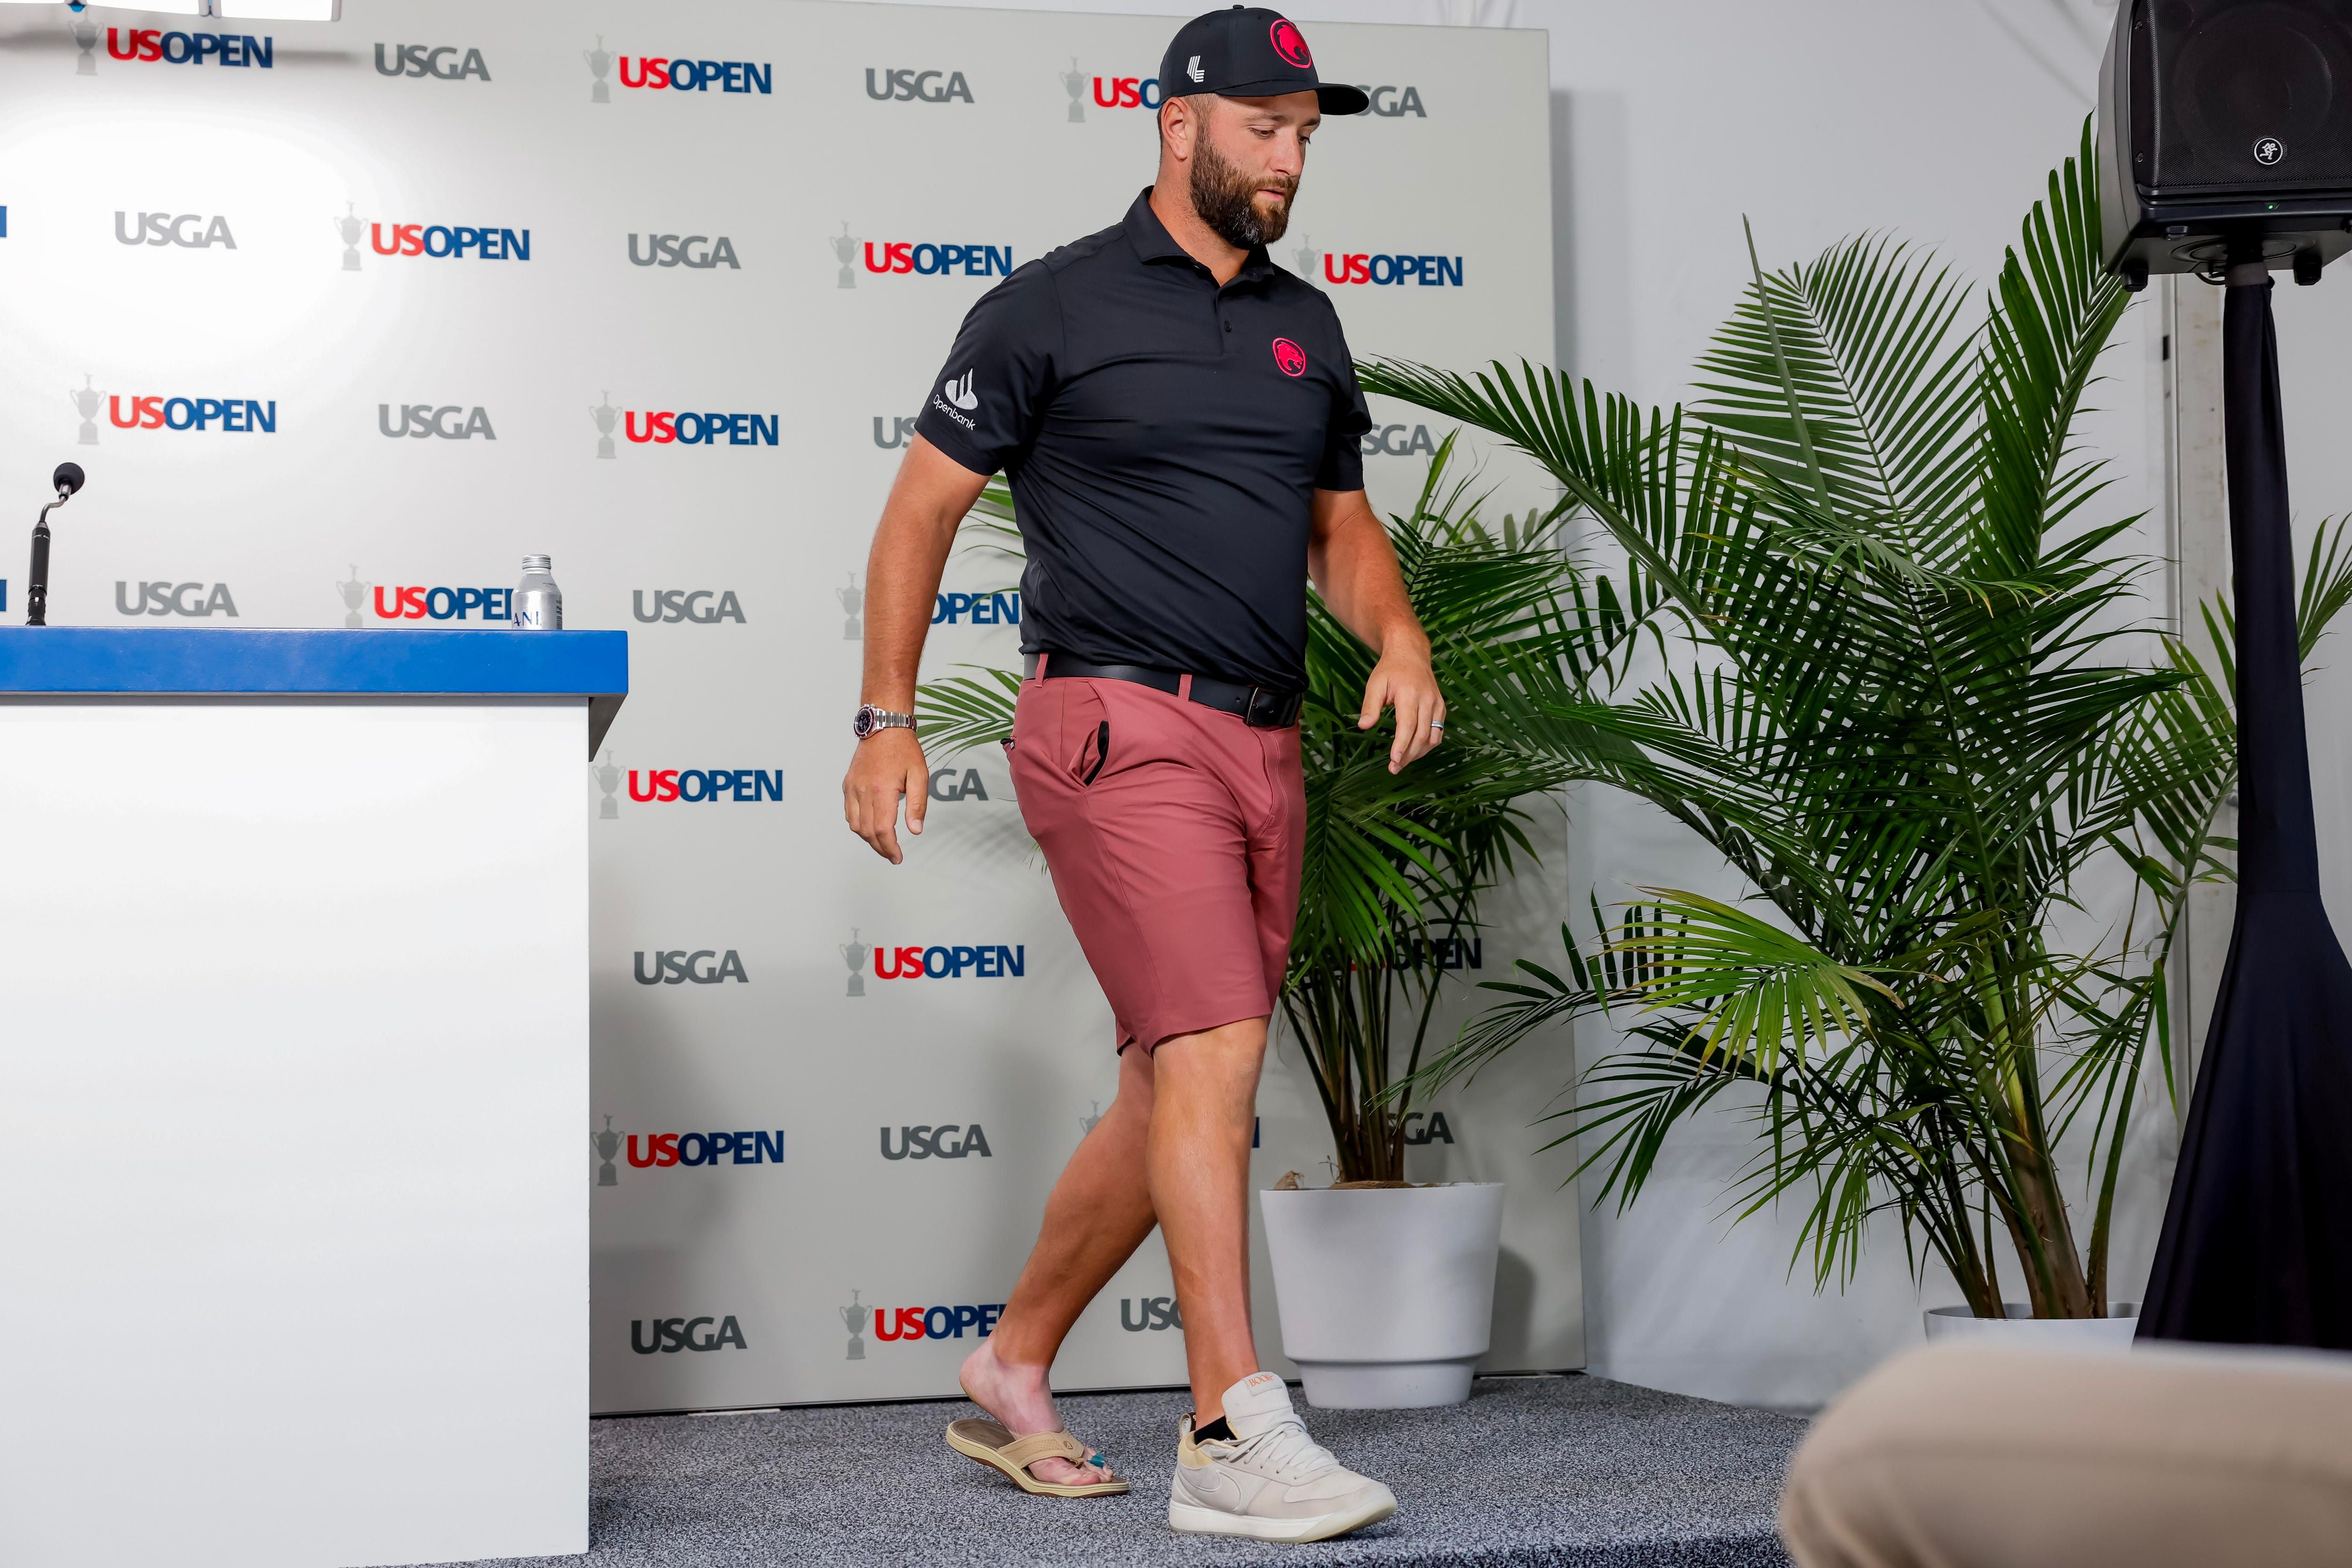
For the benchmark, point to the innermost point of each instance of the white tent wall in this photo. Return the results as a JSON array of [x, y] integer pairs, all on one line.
[[1817, 120]]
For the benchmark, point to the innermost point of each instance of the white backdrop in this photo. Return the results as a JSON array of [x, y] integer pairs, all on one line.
[[342, 330]]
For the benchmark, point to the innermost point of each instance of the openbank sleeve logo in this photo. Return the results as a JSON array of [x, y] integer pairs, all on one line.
[[1290, 358], [1290, 44], [959, 393]]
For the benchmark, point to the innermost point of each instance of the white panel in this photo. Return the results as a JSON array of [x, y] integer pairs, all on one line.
[[290, 1094]]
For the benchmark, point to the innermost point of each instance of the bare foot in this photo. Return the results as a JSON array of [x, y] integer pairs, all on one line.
[[1022, 1403]]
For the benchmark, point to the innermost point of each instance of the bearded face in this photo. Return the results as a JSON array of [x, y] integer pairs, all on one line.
[[1243, 208]]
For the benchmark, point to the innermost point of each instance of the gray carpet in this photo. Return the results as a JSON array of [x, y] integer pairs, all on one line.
[[1590, 1473]]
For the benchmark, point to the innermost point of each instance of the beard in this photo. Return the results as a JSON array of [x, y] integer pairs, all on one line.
[[1226, 200]]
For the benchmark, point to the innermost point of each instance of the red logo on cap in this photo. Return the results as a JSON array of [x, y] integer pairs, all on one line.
[[1290, 358], [1292, 47]]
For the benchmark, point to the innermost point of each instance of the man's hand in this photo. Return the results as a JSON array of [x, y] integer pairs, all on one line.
[[1402, 680], [888, 763]]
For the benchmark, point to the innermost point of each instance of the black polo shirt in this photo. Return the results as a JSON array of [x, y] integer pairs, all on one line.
[[1164, 438]]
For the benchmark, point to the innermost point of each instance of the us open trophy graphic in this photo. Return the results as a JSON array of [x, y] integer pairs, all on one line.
[[608, 1144], [844, 251], [599, 62], [349, 226], [853, 601], [1075, 86], [1088, 1122], [85, 403], [354, 594], [605, 416], [853, 1316], [84, 32], [1309, 259], [853, 953], [608, 779]]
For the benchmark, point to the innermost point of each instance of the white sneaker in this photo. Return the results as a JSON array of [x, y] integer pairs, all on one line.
[[1272, 1481]]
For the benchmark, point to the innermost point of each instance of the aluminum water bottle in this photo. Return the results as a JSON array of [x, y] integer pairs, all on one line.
[[538, 602]]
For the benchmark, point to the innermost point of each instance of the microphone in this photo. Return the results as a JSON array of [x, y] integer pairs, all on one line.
[[67, 480]]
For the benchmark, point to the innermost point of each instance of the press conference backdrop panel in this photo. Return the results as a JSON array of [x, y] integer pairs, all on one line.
[[344, 318]]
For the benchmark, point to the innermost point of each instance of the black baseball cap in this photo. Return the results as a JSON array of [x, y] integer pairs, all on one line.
[[1249, 52]]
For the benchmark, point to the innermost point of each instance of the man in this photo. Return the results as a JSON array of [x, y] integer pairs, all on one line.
[[1178, 417]]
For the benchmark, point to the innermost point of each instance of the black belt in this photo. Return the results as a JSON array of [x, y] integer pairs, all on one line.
[[1260, 707]]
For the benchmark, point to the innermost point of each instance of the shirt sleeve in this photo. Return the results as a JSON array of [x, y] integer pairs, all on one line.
[[1343, 454], [985, 406]]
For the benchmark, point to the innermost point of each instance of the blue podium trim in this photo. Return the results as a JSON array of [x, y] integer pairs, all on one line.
[[162, 660]]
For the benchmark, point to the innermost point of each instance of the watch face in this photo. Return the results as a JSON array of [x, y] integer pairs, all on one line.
[[863, 725]]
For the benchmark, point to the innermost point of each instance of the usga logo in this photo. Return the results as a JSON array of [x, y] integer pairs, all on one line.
[[707, 784], [673, 605], [928, 258], [189, 49], [453, 240], [670, 1336], [430, 60], [1388, 105], [185, 599], [1155, 1312], [678, 966], [916, 87], [985, 608], [919, 963], [936, 1322], [242, 415], [1434, 1129], [442, 603], [664, 1150], [450, 421], [189, 231], [1390, 441], [947, 785], [700, 251], [952, 1141]]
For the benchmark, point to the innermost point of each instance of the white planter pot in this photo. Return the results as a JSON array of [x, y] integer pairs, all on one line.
[[2112, 1332], [1387, 1294]]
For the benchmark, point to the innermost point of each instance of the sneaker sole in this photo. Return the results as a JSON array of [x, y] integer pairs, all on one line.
[[1200, 1521]]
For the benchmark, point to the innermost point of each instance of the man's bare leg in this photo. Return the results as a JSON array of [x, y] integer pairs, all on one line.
[[1099, 1213], [1204, 1099]]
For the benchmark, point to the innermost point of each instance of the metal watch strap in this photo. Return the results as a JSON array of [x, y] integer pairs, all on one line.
[[870, 718]]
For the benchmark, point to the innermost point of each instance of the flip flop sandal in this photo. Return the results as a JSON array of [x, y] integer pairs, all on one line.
[[991, 1444]]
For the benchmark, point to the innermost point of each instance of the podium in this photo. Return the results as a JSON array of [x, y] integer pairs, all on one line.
[[294, 1094]]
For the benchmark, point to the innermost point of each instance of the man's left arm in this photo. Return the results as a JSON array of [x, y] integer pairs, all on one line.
[[1348, 556]]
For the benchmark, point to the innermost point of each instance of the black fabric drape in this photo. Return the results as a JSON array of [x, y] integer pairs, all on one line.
[[2257, 1242]]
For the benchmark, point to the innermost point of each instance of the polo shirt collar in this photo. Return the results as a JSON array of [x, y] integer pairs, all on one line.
[[1152, 242]]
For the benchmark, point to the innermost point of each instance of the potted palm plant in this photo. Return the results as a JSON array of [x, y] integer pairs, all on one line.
[[1386, 1288], [1894, 699]]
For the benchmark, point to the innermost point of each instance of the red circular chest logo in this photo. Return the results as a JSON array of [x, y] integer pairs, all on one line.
[[1290, 45], [1290, 358]]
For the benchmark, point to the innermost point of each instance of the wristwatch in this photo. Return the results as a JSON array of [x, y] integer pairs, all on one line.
[[871, 718]]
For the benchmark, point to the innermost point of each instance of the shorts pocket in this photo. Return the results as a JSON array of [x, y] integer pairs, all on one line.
[[1102, 751]]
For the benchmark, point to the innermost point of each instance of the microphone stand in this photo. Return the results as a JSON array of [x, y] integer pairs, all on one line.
[[68, 479]]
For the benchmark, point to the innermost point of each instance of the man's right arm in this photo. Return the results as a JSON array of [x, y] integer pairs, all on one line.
[[928, 503]]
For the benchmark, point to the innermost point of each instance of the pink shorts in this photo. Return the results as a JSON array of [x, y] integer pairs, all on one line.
[[1173, 833]]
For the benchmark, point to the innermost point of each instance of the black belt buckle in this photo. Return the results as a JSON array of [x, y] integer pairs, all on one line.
[[1265, 709]]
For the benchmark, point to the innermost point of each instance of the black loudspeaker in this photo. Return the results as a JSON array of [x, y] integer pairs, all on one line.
[[2225, 134]]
